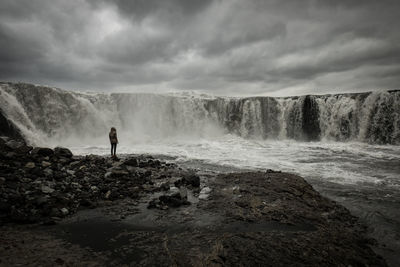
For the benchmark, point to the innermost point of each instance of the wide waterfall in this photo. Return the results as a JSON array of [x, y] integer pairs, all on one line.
[[49, 115]]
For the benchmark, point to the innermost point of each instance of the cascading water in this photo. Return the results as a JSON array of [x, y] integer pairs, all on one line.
[[354, 157], [44, 114]]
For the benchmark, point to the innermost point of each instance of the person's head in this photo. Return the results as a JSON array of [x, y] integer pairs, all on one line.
[[113, 129]]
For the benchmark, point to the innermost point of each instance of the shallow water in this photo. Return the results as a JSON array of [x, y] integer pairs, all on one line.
[[364, 178]]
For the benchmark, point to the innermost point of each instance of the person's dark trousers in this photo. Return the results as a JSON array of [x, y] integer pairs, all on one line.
[[113, 149]]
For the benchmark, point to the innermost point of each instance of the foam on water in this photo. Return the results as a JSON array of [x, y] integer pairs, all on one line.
[[344, 163]]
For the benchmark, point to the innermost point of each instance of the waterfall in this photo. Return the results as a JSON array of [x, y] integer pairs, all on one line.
[[45, 115]]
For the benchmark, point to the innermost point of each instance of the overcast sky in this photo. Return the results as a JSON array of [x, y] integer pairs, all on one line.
[[222, 47]]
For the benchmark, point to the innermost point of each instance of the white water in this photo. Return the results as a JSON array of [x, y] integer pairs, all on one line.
[[344, 163]]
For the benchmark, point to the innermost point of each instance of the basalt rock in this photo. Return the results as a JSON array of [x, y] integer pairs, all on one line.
[[63, 152], [42, 151], [7, 128], [131, 162], [36, 186], [175, 200], [189, 179]]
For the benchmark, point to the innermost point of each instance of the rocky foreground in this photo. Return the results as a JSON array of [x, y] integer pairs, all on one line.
[[60, 209]]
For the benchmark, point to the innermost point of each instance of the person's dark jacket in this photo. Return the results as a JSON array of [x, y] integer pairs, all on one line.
[[113, 137]]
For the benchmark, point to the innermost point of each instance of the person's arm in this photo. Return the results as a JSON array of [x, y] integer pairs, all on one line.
[[116, 138]]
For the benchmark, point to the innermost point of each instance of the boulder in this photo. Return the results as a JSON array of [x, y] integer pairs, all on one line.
[[30, 165], [164, 186], [45, 164], [8, 128], [64, 211], [46, 189], [42, 151], [204, 193], [10, 155], [24, 149], [190, 179], [13, 144], [174, 200], [131, 162], [63, 152]]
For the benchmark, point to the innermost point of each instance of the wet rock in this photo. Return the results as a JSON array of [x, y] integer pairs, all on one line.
[[87, 203], [30, 165], [131, 162], [14, 144], [204, 193], [42, 151], [174, 200], [40, 201], [48, 172], [94, 188], [63, 152], [45, 164], [46, 189], [42, 183], [190, 179], [10, 155], [183, 192], [23, 149], [5, 207], [64, 211], [59, 261], [107, 175], [164, 186], [116, 173]]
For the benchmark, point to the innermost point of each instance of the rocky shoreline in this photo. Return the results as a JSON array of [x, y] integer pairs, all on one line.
[[61, 209]]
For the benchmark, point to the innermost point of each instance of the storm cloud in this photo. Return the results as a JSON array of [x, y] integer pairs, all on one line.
[[223, 47]]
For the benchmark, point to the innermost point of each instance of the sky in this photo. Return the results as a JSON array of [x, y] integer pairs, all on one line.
[[219, 47]]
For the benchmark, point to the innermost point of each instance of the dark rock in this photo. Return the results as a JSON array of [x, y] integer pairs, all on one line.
[[131, 162], [42, 151], [7, 128], [190, 179], [272, 171], [116, 173], [30, 165], [5, 207], [164, 186], [24, 149], [87, 203], [11, 155], [43, 184], [14, 144], [59, 261], [175, 200], [63, 152], [42, 200]]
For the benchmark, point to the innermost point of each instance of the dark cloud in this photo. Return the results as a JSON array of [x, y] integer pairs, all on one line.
[[224, 47]]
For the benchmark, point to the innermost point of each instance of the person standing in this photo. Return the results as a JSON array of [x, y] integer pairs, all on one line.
[[113, 141]]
